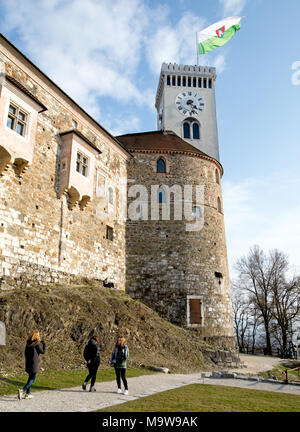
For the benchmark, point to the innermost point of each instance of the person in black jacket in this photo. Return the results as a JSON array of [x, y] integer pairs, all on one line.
[[92, 357], [34, 347]]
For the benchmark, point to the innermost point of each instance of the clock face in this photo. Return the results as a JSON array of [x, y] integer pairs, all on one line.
[[189, 103]]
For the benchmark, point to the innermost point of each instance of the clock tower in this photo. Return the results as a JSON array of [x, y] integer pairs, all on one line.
[[185, 103]]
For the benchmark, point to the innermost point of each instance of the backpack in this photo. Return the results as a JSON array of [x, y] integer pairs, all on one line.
[[86, 352]]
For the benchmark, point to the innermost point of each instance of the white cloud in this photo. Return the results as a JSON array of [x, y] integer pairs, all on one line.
[[88, 48], [233, 7], [264, 212], [117, 125], [174, 43], [96, 49]]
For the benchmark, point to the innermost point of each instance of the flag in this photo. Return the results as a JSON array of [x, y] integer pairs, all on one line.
[[217, 34]]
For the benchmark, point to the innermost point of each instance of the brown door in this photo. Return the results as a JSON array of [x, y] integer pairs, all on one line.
[[195, 311]]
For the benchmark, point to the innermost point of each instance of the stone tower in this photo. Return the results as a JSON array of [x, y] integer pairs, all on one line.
[[182, 274], [185, 103]]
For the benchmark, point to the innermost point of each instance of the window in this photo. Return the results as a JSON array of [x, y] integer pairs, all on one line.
[[210, 83], [197, 212], [179, 81], [109, 233], [196, 134], [161, 166], [191, 129], [194, 82], [189, 81], [168, 80], [219, 205], [186, 130], [217, 177], [205, 82], [184, 81], [173, 80], [82, 164], [199, 82], [110, 195], [17, 119], [161, 196], [74, 124]]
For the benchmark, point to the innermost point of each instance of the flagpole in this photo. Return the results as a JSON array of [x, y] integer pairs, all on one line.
[[197, 49]]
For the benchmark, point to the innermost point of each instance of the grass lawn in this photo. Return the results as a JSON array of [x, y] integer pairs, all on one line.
[[279, 372], [49, 380], [211, 398]]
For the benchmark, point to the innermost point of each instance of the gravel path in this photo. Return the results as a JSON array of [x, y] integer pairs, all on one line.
[[76, 400], [257, 364]]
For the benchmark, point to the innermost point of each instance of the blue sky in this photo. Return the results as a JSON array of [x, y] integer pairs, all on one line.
[[107, 56]]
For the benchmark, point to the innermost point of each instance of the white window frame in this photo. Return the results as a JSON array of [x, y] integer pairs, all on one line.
[[87, 165], [188, 311], [27, 124]]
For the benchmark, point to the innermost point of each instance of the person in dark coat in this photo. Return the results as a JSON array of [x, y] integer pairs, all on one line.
[[119, 361], [34, 347], [92, 357]]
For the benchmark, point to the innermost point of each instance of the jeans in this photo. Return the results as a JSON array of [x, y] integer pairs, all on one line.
[[31, 379], [120, 372], [92, 367]]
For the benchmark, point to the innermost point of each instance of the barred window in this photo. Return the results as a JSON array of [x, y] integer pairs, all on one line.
[[82, 164], [17, 119]]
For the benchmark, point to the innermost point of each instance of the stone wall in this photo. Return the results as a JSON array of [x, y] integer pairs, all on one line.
[[165, 263], [41, 239]]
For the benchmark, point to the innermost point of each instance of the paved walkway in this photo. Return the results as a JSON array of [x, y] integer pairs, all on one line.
[[76, 400]]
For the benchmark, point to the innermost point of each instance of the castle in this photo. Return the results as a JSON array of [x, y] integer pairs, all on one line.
[[64, 182]]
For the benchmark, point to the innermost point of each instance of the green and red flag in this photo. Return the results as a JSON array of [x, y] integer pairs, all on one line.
[[217, 34]]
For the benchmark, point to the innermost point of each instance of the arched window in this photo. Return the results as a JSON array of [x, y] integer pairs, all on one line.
[[161, 196], [196, 132], [186, 130], [161, 166], [110, 195], [191, 129], [217, 177], [219, 205]]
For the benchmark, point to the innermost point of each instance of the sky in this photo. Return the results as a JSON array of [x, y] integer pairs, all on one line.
[[107, 56]]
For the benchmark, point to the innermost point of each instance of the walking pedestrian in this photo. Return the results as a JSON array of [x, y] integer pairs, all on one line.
[[34, 347], [119, 361], [92, 357]]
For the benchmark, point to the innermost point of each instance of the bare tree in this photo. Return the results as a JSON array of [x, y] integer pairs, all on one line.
[[255, 323], [273, 298], [240, 310], [256, 274], [286, 297]]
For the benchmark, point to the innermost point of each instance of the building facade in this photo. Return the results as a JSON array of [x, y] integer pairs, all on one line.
[[178, 270], [62, 184]]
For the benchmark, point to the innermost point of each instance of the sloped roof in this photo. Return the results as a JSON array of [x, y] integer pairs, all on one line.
[[161, 142], [27, 92]]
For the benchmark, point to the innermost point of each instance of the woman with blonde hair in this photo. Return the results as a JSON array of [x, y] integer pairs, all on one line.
[[119, 361], [34, 347]]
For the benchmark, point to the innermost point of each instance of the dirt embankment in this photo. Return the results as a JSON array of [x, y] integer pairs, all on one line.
[[68, 315]]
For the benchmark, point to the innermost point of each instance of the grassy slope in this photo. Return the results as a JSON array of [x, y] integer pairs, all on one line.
[[68, 315], [211, 398]]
